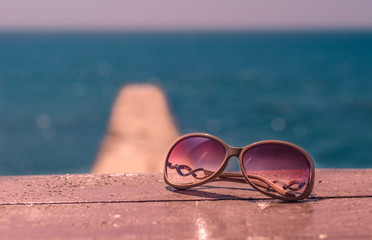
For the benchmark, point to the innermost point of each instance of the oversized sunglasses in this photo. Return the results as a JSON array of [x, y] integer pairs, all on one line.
[[277, 169]]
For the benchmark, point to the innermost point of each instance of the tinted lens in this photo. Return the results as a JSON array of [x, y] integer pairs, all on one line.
[[277, 168], [194, 159]]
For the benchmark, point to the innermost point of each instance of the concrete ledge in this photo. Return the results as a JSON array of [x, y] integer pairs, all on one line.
[[142, 206], [81, 188]]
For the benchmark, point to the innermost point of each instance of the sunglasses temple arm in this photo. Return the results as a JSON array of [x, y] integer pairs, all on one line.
[[228, 179], [237, 180], [257, 180], [234, 177]]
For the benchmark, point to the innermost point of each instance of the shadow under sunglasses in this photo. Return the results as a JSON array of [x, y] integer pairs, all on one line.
[[204, 193]]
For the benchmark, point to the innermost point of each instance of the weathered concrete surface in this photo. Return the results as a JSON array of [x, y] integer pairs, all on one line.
[[233, 219], [143, 207], [151, 187]]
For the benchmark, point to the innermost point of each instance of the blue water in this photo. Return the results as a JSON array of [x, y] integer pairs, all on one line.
[[313, 89]]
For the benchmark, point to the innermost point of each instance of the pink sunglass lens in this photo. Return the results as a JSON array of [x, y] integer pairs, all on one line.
[[279, 164], [194, 159]]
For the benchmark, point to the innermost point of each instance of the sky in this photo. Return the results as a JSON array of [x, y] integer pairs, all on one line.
[[186, 14]]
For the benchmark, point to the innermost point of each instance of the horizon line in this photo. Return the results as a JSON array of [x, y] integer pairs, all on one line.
[[186, 30]]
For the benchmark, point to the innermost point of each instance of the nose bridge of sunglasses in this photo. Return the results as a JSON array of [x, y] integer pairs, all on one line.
[[234, 152]]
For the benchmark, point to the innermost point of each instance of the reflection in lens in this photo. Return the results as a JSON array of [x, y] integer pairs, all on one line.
[[194, 159], [279, 164]]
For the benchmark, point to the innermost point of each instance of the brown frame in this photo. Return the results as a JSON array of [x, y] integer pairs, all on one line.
[[242, 177]]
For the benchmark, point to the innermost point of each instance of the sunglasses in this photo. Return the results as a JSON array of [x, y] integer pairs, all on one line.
[[275, 168]]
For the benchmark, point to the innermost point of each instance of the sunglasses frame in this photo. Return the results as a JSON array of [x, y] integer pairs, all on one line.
[[239, 152]]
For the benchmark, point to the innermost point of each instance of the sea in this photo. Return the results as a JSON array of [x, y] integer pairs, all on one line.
[[311, 88]]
